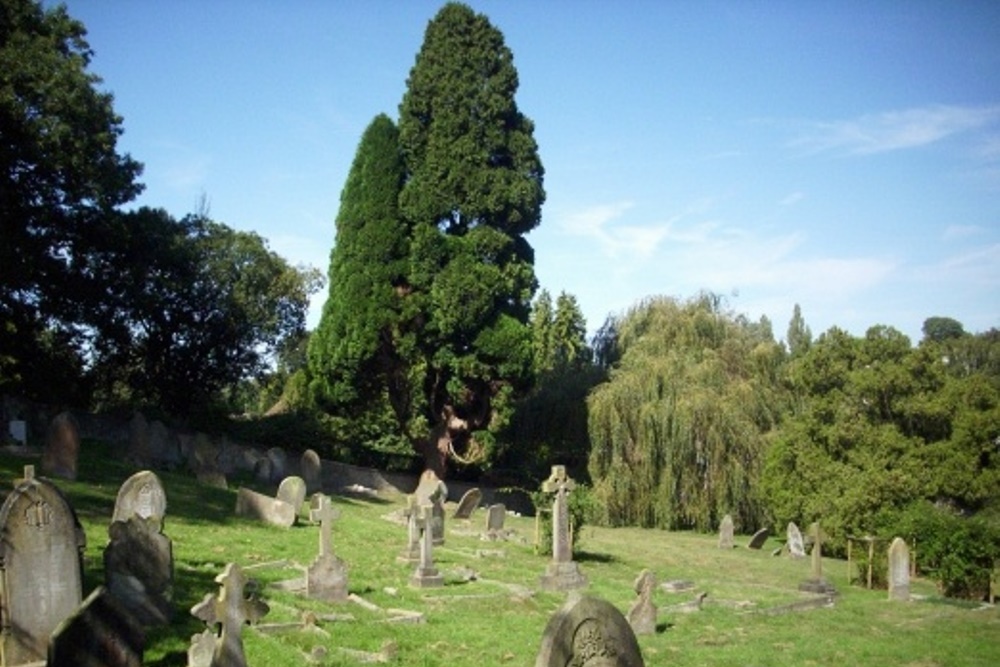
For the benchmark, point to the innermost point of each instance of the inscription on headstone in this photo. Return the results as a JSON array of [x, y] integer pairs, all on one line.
[[141, 495], [589, 632]]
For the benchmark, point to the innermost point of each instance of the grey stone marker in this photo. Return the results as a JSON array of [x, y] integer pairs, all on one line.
[[589, 632], [62, 447], [562, 573], [426, 575], [18, 429], [100, 632], [279, 463], [642, 614], [726, 533], [899, 570], [326, 577], [759, 538], [41, 542], [270, 510], [816, 582], [139, 569], [292, 490], [311, 469], [231, 610], [411, 554], [140, 495], [138, 440], [496, 515], [469, 502], [163, 447], [433, 491], [796, 547]]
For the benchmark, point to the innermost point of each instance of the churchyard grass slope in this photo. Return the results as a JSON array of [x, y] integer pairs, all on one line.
[[490, 610]]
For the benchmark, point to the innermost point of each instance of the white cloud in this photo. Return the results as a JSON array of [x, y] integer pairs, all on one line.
[[895, 130]]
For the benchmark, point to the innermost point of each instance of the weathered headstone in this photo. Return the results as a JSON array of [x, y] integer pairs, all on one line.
[[141, 495], [433, 491], [231, 609], [139, 569], [292, 490], [205, 455], [270, 510], [759, 538], [326, 577], [469, 502], [642, 613], [496, 515], [62, 447], [311, 469], [426, 575], [262, 470], [411, 554], [589, 632], [899, 570], [163, 448], [726, 533], [816, 582], [100, 632], [796, 547], [562, 573], [138, 440], [18, 429], [279, 463], [41, 542]]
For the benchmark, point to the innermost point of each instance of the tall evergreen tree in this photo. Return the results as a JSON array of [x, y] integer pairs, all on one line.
[[799, 337]]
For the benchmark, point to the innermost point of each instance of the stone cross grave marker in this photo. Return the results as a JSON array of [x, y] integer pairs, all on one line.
[[433, 491], [231, 610], [496, 515], [62, 447], [589, 632], [899, 570], [426, 575], [816, 582], [726, 533], [642, 613], [311, 469], [562, 573], [100, 632], [292, 490], [411, 554], [41, 542], [326, 577], [796, 546], [759, 538], [270, 510], [141, 495], [139, 569], [469, 502]]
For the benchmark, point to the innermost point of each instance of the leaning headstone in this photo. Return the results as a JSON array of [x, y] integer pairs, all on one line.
[[796, 547], [231, 609], [62, 447], [311, 469], [562, 573], [138, 440], [326, 577], [589, 631], [759, 538], [139, 569], [469, 502], [99, 632], [726, 533], [642, 613], [899, 570], [433, 491], [292, 490], [426, 575], [141, 495], [496, 515], [411, 554], [270, 510], [41, 542]]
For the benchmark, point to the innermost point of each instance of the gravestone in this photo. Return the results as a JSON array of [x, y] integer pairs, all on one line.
[[138, 440], [141, 495], [164, 447], [816, 582], [642, 613], [496, 515], [279, 463], [759, 538], [100, 632], [796, 547], [426, 575], [469, 502], [326, 577], [899, 570], [62, 447], [311, 469], [41, 542], [18, 429], [231, 609], [262, 470], [431, 490], [589, 632], [292, 490], [270, 510], [139, 569], [562, 573], [726, 533], [411, 554]]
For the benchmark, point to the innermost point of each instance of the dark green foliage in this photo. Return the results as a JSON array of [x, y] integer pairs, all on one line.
[[940, 329], [799, 336]]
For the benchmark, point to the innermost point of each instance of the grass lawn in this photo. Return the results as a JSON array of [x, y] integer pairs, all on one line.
[[498, 618]]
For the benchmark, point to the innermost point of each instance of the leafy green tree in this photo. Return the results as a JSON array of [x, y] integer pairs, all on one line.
[[942, 328], [541, 319], [60, 177], [473, 190], [799, 336], [678, 431], [569, 334]]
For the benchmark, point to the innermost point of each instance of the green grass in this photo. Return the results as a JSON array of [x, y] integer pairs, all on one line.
[[486, 622]]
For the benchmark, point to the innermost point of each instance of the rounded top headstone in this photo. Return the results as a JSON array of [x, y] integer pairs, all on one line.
[[589, 632]]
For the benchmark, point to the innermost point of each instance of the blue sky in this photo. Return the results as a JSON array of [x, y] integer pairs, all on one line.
[[844, 156]]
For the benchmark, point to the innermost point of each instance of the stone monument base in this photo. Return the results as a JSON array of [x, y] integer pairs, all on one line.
[[563, 577], [326, 579], [818, 586], [426, 578]]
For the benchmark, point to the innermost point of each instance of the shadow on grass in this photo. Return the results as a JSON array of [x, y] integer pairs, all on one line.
[[591, 557]]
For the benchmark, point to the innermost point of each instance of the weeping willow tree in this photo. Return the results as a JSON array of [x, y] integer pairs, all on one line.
[[678, 431]]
